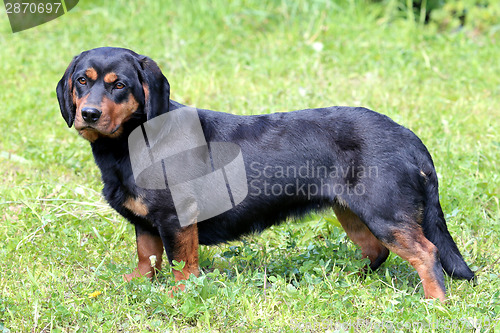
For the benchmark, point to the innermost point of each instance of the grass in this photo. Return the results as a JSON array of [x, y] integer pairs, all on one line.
[[63, 250]]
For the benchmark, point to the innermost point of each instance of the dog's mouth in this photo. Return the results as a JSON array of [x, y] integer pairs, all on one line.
[[99, 129]]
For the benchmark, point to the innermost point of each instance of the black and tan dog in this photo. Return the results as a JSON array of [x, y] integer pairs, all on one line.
[[377, 175]]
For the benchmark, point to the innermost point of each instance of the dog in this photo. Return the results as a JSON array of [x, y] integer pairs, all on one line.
[[377, 175]]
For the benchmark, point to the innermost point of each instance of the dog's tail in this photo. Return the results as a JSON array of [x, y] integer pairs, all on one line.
[[436, 231]]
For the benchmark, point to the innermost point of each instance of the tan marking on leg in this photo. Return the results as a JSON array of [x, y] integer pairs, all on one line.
[[359, 233], [422, 255], [186, 249], [91, 73], [110, 77], [147, 245], [136, 206]]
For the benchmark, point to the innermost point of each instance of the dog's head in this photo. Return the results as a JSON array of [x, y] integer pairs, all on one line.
[[102, 89]]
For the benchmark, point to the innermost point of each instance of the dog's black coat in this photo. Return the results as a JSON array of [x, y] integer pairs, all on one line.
[[396, 195]]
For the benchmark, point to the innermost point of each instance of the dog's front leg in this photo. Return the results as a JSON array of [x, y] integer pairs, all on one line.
[[183, 246], [149, 252]]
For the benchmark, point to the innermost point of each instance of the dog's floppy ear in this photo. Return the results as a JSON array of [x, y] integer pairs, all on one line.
[[155, 85], [65, 94]]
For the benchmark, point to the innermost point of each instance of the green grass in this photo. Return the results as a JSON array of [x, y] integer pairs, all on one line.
[[60, 241]]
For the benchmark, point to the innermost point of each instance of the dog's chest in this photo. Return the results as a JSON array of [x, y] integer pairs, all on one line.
[[117, 176]]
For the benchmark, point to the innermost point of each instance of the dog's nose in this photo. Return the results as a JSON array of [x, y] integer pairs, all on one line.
[[91, 115]]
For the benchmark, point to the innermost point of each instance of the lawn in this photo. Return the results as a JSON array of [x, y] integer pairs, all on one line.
[[63, 250]]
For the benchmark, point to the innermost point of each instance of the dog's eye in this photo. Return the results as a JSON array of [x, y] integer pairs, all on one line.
[[119, 85], [82, 81]]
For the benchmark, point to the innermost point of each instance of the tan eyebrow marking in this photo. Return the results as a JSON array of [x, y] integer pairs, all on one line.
[[110, 77], [91, 73]]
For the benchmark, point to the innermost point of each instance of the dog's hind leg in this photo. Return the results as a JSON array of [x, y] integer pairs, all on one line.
[[359, 233], [406, 239]]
